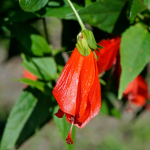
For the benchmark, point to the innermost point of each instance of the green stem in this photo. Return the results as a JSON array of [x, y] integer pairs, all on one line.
[[77, 15]]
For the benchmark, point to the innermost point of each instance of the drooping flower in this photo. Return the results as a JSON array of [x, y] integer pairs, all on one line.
[[77, 90], [107, 55], [137, 91]]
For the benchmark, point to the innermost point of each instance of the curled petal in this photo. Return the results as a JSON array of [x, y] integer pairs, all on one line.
[[60, 113], [107, 55]]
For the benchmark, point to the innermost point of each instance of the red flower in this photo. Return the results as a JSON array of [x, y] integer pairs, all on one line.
[[27, 74], [137, 91], [107, 55], [77, 91]]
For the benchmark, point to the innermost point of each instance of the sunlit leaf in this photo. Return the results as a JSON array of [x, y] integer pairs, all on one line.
[[17, 119], [44, 68], [32, 5], [135, 54], [101, 14]]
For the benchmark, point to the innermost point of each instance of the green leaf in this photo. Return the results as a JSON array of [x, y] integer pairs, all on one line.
[[39, 45], [61, 10], [32, 5], [136, 8], [135, 54], [64, 128], [17, 119], [41, 114], [87, 2], [101, 14], [147, 3], [38, 84], [44, 68]]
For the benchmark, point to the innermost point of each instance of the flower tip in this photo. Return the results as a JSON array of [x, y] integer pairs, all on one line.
[[68, 139], [129, 110]]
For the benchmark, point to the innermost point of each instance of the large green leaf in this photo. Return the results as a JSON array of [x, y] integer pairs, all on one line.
[[136, 8], [64, 128], [32, 110], [101, 14], [44, 68], [32, 5], [59, 8], [17, 119], [135, 54], [41, 115]]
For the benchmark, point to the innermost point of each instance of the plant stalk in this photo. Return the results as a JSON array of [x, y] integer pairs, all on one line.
[[77, 15]]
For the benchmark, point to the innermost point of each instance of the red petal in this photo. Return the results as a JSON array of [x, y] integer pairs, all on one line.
[[139, 100], [60, 113], [107, 55], [137, 91], [29, 75], [66, 87], [89, 97]]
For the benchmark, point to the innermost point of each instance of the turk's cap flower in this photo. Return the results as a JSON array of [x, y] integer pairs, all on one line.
[[77, 90]]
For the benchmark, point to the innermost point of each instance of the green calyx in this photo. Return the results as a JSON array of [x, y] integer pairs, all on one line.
[[82, 45], [86, 42]]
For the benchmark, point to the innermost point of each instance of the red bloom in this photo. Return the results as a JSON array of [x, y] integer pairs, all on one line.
[[107, 55], [27, 74], [77, 90], [137, 91]]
